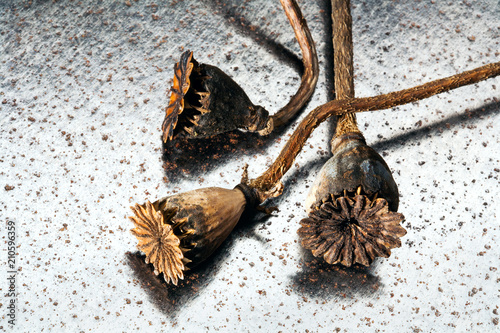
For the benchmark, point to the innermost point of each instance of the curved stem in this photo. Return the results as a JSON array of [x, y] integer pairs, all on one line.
[[272, 176], [309, 59]]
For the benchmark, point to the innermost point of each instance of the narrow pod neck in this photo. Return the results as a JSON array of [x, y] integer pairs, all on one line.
[[342, 140]]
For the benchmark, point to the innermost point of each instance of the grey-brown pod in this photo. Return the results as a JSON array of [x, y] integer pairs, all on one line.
[[205, 101], [179, 232], [352, 206], [354, 164]]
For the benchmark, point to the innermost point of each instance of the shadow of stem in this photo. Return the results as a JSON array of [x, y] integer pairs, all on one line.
[[449, 123], [233, 16], [446, 124]]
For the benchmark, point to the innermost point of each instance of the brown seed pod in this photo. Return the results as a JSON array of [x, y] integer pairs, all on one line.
[[180, 231], [351, 229], [205, 101], [354, 164], [352, 206]]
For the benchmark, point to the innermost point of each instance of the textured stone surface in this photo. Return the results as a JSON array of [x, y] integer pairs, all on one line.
[[82, 87]]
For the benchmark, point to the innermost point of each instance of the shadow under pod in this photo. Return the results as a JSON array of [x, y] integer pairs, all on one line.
[[182, 156], [319, 280], [170, 299]]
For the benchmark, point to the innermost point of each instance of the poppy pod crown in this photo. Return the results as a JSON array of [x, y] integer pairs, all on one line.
[[204, 101]]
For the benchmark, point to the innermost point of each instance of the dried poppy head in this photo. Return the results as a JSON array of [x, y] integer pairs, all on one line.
[[354, 164], [352, 206], [180, 231], [205, 101]]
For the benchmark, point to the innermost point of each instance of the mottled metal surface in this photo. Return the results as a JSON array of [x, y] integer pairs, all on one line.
[[82, 87]]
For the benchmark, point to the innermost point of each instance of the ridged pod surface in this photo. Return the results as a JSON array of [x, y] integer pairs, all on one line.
[[205, 101], [354, 164], [180, 231]]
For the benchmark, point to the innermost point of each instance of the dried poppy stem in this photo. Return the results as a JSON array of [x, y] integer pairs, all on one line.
[[343, 62], [309, 59], [272, 176]]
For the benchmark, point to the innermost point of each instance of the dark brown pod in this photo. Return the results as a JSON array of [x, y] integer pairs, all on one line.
[[180, 231], [204, 101], [352, 206]]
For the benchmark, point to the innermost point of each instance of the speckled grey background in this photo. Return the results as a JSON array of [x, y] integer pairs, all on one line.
[[82, 87]]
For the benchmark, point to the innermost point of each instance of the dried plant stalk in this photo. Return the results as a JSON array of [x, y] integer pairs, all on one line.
[[346, 105], [343, 63], [284, 161], [309, 59]]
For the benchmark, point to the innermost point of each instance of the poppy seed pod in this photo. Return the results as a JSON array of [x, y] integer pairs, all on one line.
[[180, 231], [354, 164], [204, 101], [352, 206]]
